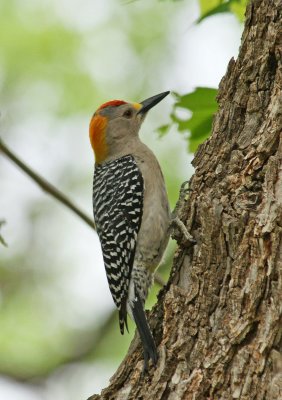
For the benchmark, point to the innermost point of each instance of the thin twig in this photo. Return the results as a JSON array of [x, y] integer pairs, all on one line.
[[57, 194], [2, 241], [46, 186]]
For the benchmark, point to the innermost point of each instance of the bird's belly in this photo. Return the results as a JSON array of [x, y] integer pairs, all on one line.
[[153, 237]]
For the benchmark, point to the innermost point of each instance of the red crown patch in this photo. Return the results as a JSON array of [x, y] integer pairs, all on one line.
[[112, 103]]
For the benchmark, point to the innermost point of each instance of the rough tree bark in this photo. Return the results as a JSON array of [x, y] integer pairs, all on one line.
[[218, 321]]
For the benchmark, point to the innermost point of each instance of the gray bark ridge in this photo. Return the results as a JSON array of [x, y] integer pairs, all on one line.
[[218, 322]]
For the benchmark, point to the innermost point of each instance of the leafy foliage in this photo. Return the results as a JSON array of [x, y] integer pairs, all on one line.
[[212, 7], [202, 105]]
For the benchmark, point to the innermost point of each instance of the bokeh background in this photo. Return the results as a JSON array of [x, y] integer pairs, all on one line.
[[59, 60]]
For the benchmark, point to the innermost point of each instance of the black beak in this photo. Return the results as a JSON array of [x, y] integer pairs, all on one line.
[[151, 102]]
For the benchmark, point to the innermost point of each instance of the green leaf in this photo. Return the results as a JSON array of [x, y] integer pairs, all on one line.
[[202, 99], [239, 8], [209, 8], [208, 5], [202, 103], [220, 8], [163, 130], [201, 131]]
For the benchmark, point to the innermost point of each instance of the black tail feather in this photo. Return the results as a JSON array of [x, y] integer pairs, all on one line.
[[123, 317], [149, 347]]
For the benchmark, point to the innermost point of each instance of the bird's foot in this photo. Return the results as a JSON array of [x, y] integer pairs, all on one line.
[[178, 229]]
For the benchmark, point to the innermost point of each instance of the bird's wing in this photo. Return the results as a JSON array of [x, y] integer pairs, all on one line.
[[118, 191]]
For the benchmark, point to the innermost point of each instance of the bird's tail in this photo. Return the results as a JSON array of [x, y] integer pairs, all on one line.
[[123, 316], [148, 343]]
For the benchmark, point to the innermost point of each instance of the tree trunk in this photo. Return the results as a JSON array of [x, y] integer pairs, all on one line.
[[217, 323]]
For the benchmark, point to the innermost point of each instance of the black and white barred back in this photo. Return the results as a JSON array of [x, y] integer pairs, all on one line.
[[118, 191]]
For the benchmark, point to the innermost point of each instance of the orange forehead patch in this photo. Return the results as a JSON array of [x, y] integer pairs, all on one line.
[[97, 135], [112, 103]]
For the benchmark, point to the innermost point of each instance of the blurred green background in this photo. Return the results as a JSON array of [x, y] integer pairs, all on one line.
[[59, 335]]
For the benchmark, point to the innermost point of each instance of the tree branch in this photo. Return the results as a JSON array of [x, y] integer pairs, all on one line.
[[2, 240], [45, 185]]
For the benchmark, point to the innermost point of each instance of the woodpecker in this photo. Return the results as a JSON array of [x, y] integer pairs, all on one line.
[[131, 209]]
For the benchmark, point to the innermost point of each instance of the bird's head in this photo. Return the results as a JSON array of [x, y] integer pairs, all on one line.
[[115, 125]]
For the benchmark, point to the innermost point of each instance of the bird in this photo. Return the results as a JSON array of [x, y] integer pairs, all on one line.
[[131, 210]]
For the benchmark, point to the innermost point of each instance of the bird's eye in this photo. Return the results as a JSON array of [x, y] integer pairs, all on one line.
[[127, 114]]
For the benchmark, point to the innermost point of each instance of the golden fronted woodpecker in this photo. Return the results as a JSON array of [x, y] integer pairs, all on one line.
[[131, 209]]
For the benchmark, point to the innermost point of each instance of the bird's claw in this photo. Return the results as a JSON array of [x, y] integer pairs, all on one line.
[[178, 224]]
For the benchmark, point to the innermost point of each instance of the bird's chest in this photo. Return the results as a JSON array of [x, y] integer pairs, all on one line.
[[153, 234]]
